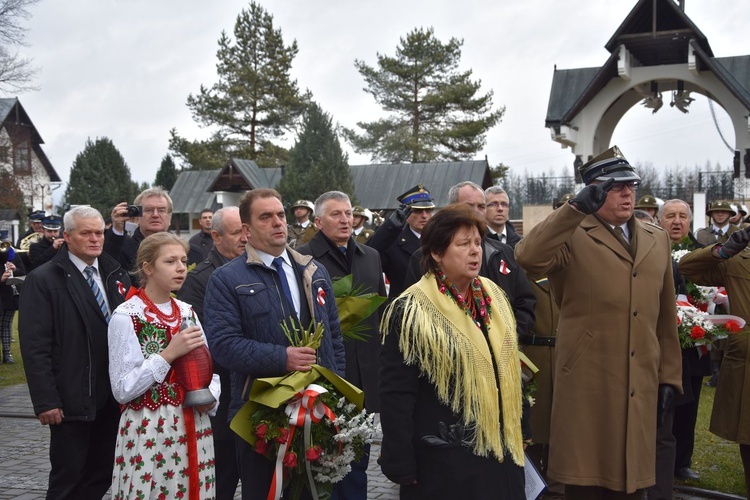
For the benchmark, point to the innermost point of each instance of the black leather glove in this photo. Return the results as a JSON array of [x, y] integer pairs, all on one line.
[[736, 243], [592, 197], [399, 216], [666, 394]]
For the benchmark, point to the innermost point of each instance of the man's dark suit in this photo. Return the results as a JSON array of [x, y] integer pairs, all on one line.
[[63, 337]]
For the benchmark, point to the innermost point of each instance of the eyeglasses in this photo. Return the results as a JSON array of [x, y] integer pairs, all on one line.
[[619, 186], [155, 210], [495, 204]]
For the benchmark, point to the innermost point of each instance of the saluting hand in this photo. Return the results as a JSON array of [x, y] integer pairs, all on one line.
[[592, 197], [736, 243]]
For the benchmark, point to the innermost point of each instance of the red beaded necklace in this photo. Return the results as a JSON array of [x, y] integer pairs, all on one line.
[[166, 319]]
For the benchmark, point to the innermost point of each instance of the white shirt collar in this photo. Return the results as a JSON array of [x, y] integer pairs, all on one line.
[[418, 235], [81, 265], [267, 258]]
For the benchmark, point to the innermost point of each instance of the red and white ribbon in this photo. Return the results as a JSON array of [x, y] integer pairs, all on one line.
[[321, 297], [303, 410], [504, 267]]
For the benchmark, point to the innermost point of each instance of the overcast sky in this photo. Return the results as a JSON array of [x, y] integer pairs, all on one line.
[[123, 69]]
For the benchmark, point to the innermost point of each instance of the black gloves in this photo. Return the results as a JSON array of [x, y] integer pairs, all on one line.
[[592, 197], [736, 243], [666, 394], [399, 216]]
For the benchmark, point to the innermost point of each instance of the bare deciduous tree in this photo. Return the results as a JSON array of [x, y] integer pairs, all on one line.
[[16, 72]]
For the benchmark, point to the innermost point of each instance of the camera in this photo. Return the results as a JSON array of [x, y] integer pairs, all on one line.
[[134, 211]]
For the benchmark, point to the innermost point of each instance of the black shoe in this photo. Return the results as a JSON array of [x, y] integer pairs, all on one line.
[[687, 474], [8, 359]]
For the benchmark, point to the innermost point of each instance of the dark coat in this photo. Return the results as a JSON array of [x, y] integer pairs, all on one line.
[[363, 263], [415, 411], [396, 246], [499, 265], [201, 243], [243, 313], [40, 252], [63, 336], [124, 249], [193, 291]]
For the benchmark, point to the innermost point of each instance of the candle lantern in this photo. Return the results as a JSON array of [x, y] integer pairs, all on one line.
[[194, 371]]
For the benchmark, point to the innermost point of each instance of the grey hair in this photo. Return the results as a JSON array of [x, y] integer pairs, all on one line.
[[674, 200], [155, 191], [453, 191], [217, 219], [643, 215], [80, 212], [330, 195], [494, 190]]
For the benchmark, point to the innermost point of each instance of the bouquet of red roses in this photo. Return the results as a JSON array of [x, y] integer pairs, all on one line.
[[696, 327]]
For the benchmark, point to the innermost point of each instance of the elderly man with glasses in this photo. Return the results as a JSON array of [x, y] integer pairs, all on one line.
[[617, 354], [157, 215]]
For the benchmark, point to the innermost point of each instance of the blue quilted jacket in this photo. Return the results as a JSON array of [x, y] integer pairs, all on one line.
[[242, 316]]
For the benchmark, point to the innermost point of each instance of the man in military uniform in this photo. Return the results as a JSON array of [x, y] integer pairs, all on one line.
[[359, 231], [617, 348], [43, 250], [718, 232], [33, 235], [648, 204], [398, 238], [302, 229]]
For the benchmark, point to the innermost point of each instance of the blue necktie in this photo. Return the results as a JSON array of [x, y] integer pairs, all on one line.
[[89, 270], [278, 263]]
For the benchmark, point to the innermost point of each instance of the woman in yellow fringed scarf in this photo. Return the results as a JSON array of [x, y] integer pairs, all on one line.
[[450, 383]]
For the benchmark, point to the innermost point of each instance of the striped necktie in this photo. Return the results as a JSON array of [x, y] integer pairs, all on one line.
[[97, 291]]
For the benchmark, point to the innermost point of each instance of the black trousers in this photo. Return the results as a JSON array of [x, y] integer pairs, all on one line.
[[685, 417], [665, 446], [82, 456], [227, 472]]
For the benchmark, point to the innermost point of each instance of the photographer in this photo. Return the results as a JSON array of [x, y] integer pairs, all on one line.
[[43, 250], [154, 215]]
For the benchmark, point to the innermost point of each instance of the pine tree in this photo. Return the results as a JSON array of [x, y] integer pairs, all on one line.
[[434, 111], [316, 161], [99, 177], [167, 174], [254, 102]]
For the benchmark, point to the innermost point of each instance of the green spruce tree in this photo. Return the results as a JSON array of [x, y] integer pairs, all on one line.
[[435, 112], [316, 161], [100, 177], [254, 102], [167, 174]]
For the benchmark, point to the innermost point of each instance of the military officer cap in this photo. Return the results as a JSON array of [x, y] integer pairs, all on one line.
[[611, 164], [417, 198], [563, 200], [647, 201], [357, 210], [304, 204], [52, 222], [37, 216], [721, 206]]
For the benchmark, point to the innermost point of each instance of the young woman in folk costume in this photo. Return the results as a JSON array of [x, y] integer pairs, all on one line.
[[164, 450]]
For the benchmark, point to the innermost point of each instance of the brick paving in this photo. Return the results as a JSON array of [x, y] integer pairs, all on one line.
[[24, 461]]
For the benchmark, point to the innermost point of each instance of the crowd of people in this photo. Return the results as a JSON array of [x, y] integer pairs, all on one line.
[[558, 347]]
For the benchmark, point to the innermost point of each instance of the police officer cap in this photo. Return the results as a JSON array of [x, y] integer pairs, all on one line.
[[37, 216], [721, 206], [647, 201], [357, 210], [417, 198], [563, 200], [304, 204], [611, 164], [52, 222]]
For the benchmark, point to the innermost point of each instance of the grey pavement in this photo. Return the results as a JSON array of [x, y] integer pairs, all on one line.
[[24, 461]]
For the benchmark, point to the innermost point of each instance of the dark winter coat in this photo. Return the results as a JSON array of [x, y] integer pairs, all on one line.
[[363, 263], [124, 249], [396, 246], [63, 336]]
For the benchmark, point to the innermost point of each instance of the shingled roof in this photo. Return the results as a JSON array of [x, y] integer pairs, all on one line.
[[190, 194], [12, 111]]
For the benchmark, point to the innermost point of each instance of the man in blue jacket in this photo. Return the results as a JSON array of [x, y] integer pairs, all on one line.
[[64, 310], [246, 301]]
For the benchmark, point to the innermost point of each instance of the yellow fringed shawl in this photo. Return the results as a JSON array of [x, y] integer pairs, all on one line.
[[449, 349]]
